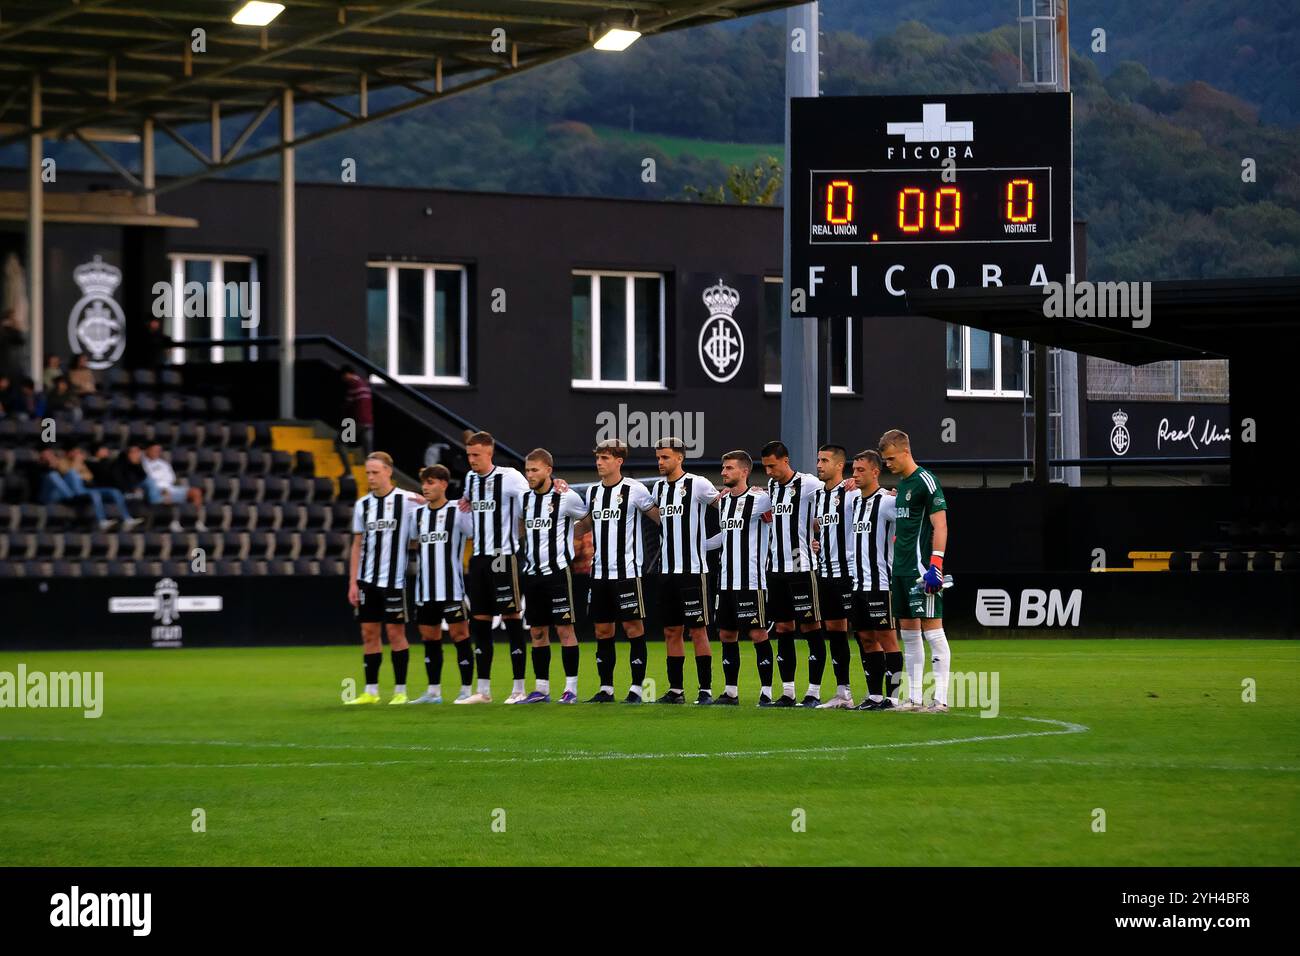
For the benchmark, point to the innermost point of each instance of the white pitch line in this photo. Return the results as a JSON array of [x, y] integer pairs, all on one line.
[[1065, 727]]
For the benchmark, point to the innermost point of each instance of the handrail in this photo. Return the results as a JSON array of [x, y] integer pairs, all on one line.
[[362, 363]]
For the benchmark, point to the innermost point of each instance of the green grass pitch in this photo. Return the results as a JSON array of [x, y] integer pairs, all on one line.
[[1153, 733]]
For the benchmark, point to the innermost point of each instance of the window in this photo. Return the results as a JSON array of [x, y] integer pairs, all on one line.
[[214, 297], [618, 329], [1199, 380], [841, 343], [416, 318], [984, 364]]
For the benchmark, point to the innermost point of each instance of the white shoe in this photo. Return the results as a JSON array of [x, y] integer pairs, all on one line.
[[200, 527], [936, 708], [130, 523], [516, 697], [475, 699], [909, 706], [106, 524], [175, 528], [837, 703]]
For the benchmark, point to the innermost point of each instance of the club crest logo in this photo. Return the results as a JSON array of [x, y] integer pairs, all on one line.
[[96, 325], [1120, 440], [722, 345]]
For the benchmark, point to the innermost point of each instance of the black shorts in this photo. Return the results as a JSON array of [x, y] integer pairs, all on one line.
[[792, 596], [684, 600], [381, 605], [871, 611], [548, 599], [434, 613], [742, 610], [835, 597], [616, 599], [493, 584]]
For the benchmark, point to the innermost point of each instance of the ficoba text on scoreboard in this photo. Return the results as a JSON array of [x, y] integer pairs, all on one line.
[[894, 193]]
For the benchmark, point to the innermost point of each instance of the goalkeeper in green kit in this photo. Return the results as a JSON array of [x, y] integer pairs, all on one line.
[[916, 584]]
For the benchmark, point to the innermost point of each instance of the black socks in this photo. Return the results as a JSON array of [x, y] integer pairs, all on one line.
[[639, 653], [372, 662], [763, 650], [518, 647], [839, 645], [433, 660], [569, 655], [481, 635], [785, 659], [704, 670], [400, 661], [816, 656], [542, 662], [465, 661], [676, 670], [606, 654], [730, 663]]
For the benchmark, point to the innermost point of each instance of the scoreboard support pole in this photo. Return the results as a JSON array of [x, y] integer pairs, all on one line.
[[799, 367], [1042, 405]]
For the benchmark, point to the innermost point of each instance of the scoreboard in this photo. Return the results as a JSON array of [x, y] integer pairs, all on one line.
[[894, 193]]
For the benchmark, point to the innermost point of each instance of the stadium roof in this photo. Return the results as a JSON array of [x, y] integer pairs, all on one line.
[[106, 65], [1189, 319]]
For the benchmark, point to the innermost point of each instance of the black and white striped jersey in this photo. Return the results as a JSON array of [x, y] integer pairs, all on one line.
[[872, 526], [383, 525], [616, 528], [440, 535], [549, 518], [792, 522], [744, 534], [682, 505], [494, 504], [832, 511]]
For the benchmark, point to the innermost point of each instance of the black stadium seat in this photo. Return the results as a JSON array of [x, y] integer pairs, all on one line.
[[256, 462], [76, 546], [65, 569], [30, 518], [304, 463], [139, 433], [99, 546], [1235, 561], [146, 405], [248, 489], [175, 569], [338, 544], [281, 463], [298, 488], [196, 405], [1207, 561], [232, 546], [317, 517], [8, 432], [274, 489], [188, 434], [1263, 561], [172, 406], [206, 461], [144, 378], [94, 569], [171, 378], [286, 544], [155, 546], [11, 569], [120, 406], [266, 516], [94, 405], [261, 435], [311, 543], [127, 545], [231, 462], [348, 488], [220, 406], [322, 490], [47, 547], [117, 378]]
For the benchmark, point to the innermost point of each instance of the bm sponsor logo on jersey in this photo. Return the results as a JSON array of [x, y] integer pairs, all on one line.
[[830, 517], [538, 524], [483, 504], [672, 511], [435, 537], [1037, 608], [786, 508], [862, 527], [732, 524], [381, 524], [607, 514]]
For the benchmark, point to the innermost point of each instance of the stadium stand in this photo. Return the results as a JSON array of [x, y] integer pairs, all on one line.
[[276, 499]]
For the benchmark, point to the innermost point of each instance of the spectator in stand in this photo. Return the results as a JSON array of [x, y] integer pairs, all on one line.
[[80, 376], [61, 401], [53, 369], [154, 352], [67, 477], [163, 479], [27, 403], [358, 405]]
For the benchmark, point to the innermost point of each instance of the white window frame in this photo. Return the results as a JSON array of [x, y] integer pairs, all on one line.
[[966, 391], [217, 321], [430, 269], [774, 388], [623, 384]]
